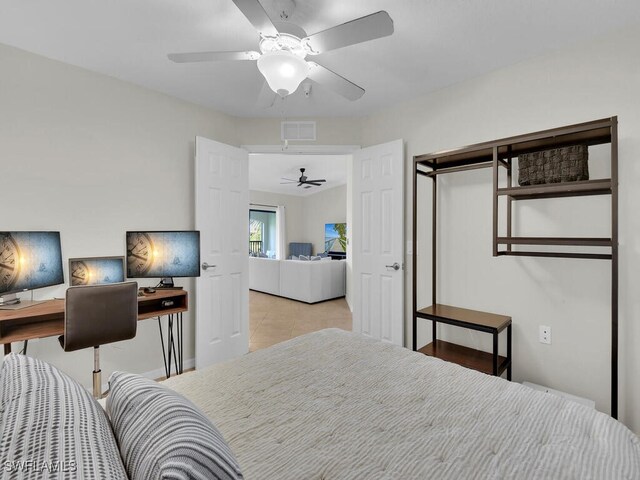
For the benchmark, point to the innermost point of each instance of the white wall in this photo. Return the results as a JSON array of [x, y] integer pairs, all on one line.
[[293, 205], [329, 131], [327, 206], [306, 216], [92, 156], [586, 82]]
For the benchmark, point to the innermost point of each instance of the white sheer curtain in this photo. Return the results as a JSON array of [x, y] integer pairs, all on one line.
[[281, 251]]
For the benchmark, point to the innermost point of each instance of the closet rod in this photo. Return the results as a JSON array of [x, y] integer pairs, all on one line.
[[461, 168]]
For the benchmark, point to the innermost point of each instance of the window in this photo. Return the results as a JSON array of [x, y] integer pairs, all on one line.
[[262, 233]]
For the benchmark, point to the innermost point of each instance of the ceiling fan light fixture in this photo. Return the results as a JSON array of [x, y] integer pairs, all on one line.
[[283, 70]]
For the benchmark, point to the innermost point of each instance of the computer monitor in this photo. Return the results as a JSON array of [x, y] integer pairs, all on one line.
[[28, 260], [163, 255], [96, 270]]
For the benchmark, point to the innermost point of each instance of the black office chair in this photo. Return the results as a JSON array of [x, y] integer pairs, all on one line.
[[96, 315]]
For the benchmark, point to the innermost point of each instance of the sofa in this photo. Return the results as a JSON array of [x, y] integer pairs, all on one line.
[[264, 275], [302, 280]]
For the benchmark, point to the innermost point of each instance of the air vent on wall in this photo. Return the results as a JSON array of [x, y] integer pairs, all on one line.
[[298, 131]]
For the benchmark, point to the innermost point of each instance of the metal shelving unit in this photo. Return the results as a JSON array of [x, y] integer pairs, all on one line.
[[499, 155]]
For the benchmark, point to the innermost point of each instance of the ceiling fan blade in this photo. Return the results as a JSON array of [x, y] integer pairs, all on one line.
[[307, 186], [286, 183], [300, 184], [255, 13], [360, 30], [212, 56], [313, 183], [316, 181], [335, 82]]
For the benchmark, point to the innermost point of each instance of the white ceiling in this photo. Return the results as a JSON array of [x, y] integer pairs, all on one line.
[[436, 43], [266, 171]]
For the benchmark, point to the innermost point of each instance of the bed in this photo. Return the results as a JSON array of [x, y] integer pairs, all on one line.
[[329, 405], [336, 405]]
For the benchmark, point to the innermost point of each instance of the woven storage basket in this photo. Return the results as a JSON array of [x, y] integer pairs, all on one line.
[[567, 164]]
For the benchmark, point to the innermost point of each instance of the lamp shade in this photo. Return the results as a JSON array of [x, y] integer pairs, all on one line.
[[283, 71]]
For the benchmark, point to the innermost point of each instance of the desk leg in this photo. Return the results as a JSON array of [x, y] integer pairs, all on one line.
[[509, 359], [164, 355], [180, 342], [7, 348], [178, 358], [169, 340], [495, 353], [173, 346]]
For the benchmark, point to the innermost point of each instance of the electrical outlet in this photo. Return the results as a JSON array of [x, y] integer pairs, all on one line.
[[545, 334]]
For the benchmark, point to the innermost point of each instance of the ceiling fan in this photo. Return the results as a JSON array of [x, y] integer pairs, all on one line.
[[283, 50], [303, 180]]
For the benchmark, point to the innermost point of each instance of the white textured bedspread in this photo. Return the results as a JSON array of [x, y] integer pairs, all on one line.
[[335, 405]]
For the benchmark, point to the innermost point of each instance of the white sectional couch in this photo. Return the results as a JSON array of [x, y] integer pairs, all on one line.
[[306, 281], [264, 275]]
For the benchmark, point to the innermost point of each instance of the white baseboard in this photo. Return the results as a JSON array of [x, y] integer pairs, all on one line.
[[158, 372]]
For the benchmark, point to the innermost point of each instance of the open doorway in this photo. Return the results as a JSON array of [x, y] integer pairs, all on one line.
[[375, 240], [298, 245]]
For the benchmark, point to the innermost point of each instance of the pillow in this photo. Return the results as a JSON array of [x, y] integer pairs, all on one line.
[[51, 421], [293, 257], [314, 259], [303, 257], [323, 255], [162, 435]]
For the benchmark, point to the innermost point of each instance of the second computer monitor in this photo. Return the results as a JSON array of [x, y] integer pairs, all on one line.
[[163, 254], [96, 270]]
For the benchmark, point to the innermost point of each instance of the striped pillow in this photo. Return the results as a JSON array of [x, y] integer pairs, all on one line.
[[51, 427], [163, 435]]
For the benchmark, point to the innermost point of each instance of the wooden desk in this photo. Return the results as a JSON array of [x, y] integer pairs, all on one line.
[[47, 320]]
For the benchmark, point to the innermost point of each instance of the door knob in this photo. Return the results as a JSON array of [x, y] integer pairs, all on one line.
[[395, 266], [206, 266]]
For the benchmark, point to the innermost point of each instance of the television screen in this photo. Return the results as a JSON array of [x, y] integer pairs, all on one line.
[[335, 237], [96, 270], [29, 260], [163, 254]]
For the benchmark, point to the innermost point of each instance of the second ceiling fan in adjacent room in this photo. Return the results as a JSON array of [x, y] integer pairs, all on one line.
[[303, 180]]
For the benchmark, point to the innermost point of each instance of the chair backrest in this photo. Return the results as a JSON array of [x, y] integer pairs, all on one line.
[[297, 248], [100, 314]]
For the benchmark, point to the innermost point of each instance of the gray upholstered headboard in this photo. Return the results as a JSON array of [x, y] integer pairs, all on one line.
[[298, 249]]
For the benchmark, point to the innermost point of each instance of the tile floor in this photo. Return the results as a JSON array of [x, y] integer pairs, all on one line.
[[273, 319]]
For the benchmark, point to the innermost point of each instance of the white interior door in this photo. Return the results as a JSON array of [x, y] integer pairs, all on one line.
[[378, 242], [222, 291]]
